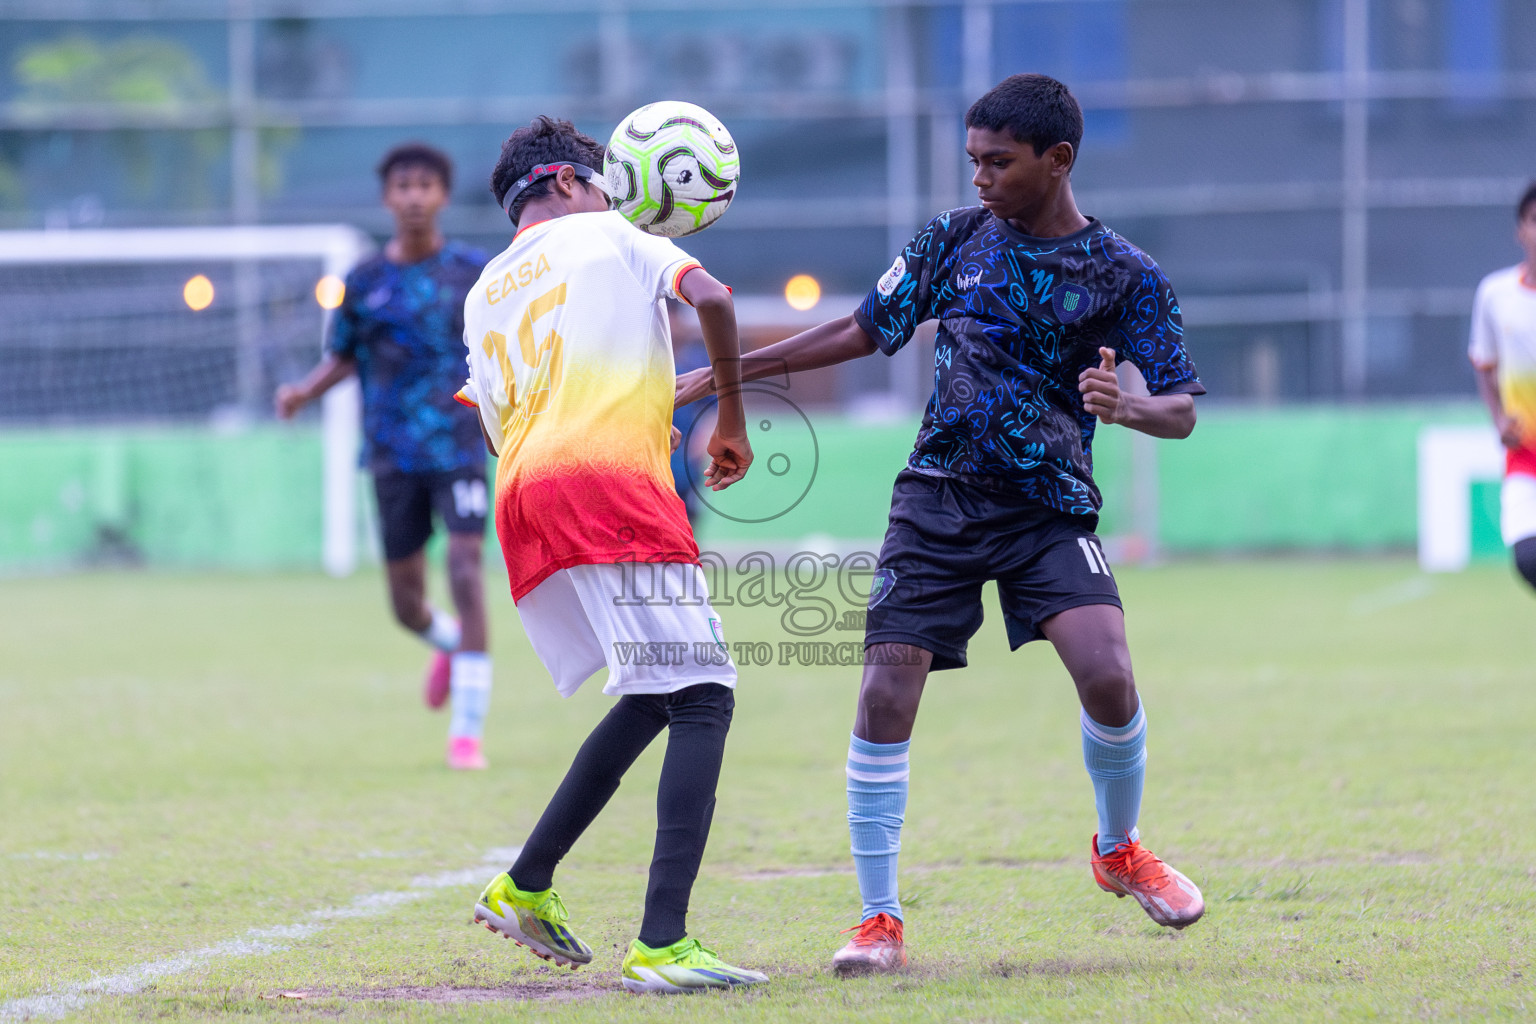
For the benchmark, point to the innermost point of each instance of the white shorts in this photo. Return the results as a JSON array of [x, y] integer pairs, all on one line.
[[651, 625], [1517, 508]]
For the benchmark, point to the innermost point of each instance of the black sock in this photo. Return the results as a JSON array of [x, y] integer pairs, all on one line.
[[1525, 559], [592, 779], [700, 717]]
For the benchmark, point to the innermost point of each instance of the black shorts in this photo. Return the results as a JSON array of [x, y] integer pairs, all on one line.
[[948, 537], [407, 500]]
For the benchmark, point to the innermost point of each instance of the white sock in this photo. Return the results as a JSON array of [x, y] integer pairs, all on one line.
[[470, 693], [442, 632]]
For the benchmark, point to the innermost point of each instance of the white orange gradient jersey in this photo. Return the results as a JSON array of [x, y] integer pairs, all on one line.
[[1504, 336], [570, 365]]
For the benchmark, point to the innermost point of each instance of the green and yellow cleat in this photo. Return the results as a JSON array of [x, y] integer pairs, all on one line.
[[534, 920], [684, 966]]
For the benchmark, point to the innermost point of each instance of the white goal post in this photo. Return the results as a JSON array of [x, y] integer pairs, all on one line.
[[336, 249], [1450, 460]]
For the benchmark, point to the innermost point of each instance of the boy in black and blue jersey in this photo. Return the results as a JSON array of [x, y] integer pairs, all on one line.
[[400, 329], [1035, 303]]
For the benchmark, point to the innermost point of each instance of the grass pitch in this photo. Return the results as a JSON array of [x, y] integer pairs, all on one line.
[[220, 798]]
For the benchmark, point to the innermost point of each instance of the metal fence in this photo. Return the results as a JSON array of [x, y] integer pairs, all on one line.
[[1324, 180]]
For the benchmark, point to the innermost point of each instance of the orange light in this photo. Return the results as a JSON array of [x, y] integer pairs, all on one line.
[[198, 292], [329, 291], [802, 292]]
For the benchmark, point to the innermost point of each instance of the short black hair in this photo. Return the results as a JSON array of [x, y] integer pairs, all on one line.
[[417, 154], [545, 140], [1526, 201], [1032, 108]]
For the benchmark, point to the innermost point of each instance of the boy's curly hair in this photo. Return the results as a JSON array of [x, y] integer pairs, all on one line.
[[544, 141]]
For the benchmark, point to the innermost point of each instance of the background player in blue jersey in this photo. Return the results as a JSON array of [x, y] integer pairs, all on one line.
[[400, 329], [1035, 302]]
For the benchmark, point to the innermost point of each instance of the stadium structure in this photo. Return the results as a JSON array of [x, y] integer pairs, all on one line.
[[1323, 180]]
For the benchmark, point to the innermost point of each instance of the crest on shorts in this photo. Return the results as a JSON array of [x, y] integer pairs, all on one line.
[[718, 629], [1070, 302], [880, 587]]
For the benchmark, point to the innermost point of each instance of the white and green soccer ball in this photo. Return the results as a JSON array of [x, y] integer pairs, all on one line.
[[672, 168]]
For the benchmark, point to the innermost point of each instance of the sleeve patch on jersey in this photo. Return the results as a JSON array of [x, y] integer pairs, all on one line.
[[892, 278]]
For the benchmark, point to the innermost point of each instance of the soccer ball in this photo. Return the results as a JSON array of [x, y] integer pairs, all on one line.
[[672, 167]]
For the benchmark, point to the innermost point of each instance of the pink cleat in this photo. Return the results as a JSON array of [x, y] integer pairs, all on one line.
[[435, 687], [464, 754]]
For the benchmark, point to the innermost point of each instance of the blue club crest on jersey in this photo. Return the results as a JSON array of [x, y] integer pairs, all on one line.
[[1070, 302], [881, 586]]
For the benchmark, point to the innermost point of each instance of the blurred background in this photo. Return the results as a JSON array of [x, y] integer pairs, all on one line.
[[1324, 181]]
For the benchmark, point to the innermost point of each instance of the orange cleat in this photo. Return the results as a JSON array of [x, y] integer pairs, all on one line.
[[876, 949], [1132, 870]]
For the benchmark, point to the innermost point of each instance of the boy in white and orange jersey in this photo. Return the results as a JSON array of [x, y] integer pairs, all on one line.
[[1503, 352], [570, 366]]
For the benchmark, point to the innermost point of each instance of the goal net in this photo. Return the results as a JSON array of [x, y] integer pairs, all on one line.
[[180, 336]]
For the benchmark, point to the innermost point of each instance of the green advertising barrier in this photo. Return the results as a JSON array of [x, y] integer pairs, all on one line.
[[1325, 478], [1487, 541], [850, 497], [1308, 479], [1290, 479], [173, 497]]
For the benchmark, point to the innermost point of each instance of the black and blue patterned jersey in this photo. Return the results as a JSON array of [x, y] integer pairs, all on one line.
[[1019, 319], [404, 324]]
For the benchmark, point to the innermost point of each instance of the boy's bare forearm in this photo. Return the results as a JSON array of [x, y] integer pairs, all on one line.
[[333, 369], [836, 341], [1488, 389], [1168, 416], [824, 345], [717, 322], [1511, 430]]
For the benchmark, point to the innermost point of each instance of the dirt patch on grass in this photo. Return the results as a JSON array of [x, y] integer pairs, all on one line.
[[780, 874], [1023, 864], [1058, 968], [454, 994], [783, 874]]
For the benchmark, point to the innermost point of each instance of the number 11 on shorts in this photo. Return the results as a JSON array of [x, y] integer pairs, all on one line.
[[1095, 555]]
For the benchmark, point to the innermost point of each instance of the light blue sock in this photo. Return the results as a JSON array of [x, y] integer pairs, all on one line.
[[877, 807], [1116, 758], [469, 691]]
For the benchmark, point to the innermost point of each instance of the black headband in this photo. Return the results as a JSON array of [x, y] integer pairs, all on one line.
[[539, 173]]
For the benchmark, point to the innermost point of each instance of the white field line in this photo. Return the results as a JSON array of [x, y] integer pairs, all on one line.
[[67, 999], [1414, 588]]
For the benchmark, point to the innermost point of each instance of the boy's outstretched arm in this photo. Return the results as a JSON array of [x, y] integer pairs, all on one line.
[[1171, 416], [729, 451], [333, 369], [1509, 427], [835, 341]]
